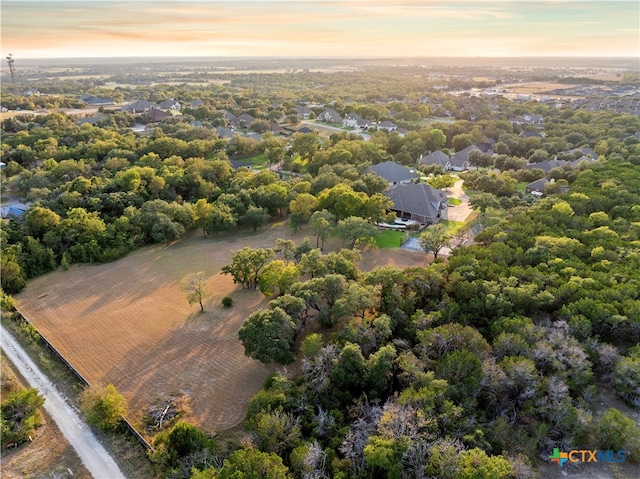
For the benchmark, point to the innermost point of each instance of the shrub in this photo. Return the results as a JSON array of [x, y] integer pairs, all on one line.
[[614, 430], [227, 301], [104, 407], [20, 415], [8, 303]]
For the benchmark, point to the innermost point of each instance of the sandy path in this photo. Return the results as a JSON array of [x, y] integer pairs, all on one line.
[[95, 458]]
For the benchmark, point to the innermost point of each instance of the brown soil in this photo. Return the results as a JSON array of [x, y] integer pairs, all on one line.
[[128, 323]]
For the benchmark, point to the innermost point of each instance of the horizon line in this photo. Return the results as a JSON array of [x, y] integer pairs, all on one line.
[[327, 57]]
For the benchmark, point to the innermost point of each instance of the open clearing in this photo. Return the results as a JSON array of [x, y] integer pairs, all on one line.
[[128, 323]]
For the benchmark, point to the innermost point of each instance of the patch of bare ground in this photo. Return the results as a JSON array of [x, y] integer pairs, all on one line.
[[128, 323], [48, 455]]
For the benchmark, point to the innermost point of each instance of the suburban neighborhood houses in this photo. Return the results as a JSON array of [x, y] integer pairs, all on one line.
[[335, 268]]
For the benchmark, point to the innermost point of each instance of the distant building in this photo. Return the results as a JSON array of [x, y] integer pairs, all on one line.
[[330, 116], [139, 106]]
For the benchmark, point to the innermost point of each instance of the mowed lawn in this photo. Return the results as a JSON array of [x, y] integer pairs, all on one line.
[[128, 323]]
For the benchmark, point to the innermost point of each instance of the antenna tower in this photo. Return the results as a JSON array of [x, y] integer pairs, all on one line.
[[12, 69]]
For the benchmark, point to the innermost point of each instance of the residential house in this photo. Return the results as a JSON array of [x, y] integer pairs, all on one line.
[[139, 106], [536, 187], [548, 165], [244, 120], [353, 120], [437, 157], [387, 126], [304, 129], [197, 103], [96, 100], [418, 202], [224, 132], [528, 119], [91, 120], [235, 164], [276, 129], [230, 117], [154, 115], [16, 210], [330, 116], [460, 160], [169, 104], [303, 112], [394, 173], [401, 132]]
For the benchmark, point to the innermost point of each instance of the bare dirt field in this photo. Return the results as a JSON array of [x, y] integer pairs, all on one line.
[[128, 323]]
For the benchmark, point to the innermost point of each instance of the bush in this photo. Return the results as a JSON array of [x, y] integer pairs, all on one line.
[[227, 301], [21, 415], [8, 303], [104, 407], [311, 345], [615, 431]]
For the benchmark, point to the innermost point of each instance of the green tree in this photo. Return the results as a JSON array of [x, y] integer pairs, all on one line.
[[184, 439], [277, 277], [475, 464], [320, 224], [255, 217], [268, 336], [304, 204], [39, 220], [483, 201], [616, 431], [194, 285], [220, 219], [626, 379], [104, 407], [246, 265], [434, 238], [253, 464], [20, 415], [356, 230]]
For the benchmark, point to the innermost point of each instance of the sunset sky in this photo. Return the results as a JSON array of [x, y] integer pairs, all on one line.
[[320, 28]]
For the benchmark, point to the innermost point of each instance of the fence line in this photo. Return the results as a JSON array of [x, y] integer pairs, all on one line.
[[84, 381]]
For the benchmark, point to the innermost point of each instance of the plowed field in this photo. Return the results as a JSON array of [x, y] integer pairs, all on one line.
[[128, 323]]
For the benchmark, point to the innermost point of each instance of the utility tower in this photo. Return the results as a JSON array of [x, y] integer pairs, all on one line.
[[12, 70]]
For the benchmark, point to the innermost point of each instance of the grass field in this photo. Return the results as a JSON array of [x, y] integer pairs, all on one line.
[[390, 239], [128, 323], [454, 201]]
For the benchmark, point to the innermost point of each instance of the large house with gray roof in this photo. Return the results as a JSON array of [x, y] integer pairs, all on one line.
[[393, 172], [330, 116], [437, 157], [418, 202]]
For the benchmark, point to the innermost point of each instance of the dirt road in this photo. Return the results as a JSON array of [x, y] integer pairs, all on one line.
[[95, 458]]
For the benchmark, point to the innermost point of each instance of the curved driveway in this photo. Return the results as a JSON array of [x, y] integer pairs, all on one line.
[[95, 458]]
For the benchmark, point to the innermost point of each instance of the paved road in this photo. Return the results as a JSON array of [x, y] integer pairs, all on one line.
[[95, 458]]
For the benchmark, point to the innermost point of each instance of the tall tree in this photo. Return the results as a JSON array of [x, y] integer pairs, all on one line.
[[268, 335], [356, 230], [434, 238], [194, 285], [321, 223], [246, 265]]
